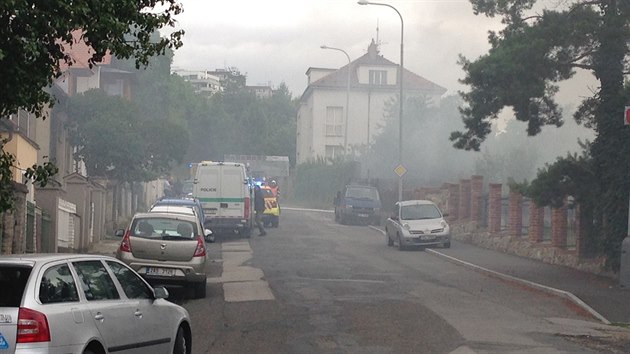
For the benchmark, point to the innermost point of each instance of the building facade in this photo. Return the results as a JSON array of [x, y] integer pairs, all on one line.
[[322, 130]]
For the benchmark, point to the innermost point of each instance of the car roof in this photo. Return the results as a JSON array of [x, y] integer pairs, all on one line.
[[179, 209], [186, 217], [176, 202], [415, 202], [32, 258]]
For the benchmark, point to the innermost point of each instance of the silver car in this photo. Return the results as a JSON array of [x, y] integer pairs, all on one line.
[[166, 249], [417, 223], [85, 304]]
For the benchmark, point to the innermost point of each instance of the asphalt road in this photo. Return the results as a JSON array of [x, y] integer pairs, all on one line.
[[314, 286]]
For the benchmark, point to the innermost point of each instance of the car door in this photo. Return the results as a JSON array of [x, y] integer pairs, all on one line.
[[114, 318], [157, 323]]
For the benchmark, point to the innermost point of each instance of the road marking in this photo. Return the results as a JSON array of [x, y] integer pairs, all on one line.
[[346, 280], [247, 291], [241, 282]]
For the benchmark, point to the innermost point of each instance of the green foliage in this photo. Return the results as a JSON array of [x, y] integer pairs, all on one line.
[[34, 37], [114, 142], [237, 122], [318, 181], [35, 34], [528, 57]]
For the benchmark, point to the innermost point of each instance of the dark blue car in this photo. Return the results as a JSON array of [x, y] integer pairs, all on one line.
[[358, 204]]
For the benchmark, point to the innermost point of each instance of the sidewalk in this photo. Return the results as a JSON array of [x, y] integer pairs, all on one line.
[[600, 293]]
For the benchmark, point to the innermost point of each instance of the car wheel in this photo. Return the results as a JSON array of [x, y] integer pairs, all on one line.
[[181, 344], [200, 290], [88, 351], [446, 244], [275, 221], [400, 244]]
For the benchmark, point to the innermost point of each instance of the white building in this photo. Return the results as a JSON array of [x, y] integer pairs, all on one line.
[[321, 128], [204, 82]]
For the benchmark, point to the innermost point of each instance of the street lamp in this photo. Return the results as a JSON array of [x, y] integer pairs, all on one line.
[[345, 133], [400, 99]]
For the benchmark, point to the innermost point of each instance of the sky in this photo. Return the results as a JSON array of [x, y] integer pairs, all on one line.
[[276, 41]]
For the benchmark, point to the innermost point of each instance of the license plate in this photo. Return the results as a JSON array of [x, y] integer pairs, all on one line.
[[163, 272], [363, 215], [426, 238]]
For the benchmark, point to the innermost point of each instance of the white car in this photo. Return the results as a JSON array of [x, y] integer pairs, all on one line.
[[85, 304], [417, 223]]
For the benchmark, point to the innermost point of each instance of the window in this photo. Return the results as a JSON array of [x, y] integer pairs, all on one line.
[[419, 212], [132, 285], [333, 151], [95, 281], [12, 282], [334, 121], [164, 228], [58, 285], [378, 77]]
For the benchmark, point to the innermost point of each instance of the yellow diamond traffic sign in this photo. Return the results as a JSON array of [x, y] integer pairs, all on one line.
[[400, 170]]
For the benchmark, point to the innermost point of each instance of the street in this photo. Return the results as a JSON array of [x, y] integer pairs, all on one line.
[[314, 286]]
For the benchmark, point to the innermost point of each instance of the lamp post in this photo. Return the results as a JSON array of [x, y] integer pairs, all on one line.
[[345, 133], [400, 99]]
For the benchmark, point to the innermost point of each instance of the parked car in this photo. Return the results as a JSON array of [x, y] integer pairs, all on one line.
[[417, 223], [358, 204], [271, 215], [85, 304], [166, 249], [175, 206]]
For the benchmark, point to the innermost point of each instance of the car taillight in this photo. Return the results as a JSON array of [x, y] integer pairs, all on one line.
[[247, 208], [32, 326], [125, 244], [200, 251]]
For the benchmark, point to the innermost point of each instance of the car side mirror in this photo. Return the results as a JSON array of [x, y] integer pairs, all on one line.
[[160, 292], [119, 233], [207, 232]]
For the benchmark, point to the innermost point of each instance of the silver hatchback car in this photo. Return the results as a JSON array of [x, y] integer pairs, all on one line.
[[85, 304], [417, 223], [166, 249]]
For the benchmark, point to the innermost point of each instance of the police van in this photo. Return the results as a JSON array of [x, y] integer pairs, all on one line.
[[226, 196]]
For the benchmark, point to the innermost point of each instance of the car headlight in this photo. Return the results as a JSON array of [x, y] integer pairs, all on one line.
[[444, 224], [406, 226]]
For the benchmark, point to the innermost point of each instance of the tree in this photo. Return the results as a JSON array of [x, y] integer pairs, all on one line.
[[114, 142], [425, 142], [526, 61], [35, 35]]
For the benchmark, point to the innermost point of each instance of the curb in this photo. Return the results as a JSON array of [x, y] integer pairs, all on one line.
[[546, 289]]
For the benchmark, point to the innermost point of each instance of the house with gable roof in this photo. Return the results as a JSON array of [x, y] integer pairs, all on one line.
[[321, 126]]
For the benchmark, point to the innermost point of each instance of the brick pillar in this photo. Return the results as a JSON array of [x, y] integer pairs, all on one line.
[[536, 222], [476, 193], [494, 207], [559, 227], [515, 214], [453, 201], [464, 199], [579, 242]]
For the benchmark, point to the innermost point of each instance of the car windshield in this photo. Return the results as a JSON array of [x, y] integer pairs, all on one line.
[[164, 228], [362, 193], [419, 212], [12, 282]]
